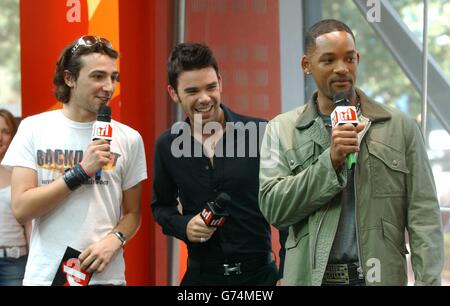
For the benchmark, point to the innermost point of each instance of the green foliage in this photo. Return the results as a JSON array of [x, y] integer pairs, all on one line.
[[411, 11]]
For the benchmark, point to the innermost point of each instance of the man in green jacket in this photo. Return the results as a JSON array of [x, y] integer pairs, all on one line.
[[347, 224]]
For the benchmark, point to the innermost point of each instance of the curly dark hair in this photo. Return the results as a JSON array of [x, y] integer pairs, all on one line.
[[71, 62]]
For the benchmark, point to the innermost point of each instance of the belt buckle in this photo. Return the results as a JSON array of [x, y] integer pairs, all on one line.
[[337, 274], [13, 252], [235, 268]]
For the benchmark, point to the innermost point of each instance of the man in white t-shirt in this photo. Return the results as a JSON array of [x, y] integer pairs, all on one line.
[[54, 164]]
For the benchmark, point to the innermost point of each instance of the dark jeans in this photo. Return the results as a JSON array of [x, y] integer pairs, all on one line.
[[12, 271], [266, 275]]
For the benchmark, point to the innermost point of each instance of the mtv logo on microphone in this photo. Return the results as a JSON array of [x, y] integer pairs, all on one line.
[[212, 217], [343, 115], [206, 216], [102, 130], [217, 222]]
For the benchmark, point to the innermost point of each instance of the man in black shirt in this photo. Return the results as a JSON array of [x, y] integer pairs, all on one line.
[[214, 151]]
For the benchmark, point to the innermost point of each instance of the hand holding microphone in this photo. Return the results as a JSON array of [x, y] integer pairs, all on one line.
[[202, 226], [215, 213], [97, 153], [344, 137], [101, 135], [198, 231], [96, 156]]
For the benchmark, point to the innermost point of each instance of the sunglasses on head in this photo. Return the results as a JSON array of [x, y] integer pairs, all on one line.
[[89, 41]]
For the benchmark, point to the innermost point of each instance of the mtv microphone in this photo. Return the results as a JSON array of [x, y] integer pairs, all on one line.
[[102, 129], [214, 214], [342, 114]]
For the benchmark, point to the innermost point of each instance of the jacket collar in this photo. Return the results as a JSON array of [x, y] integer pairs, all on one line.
[[308, 115], [369, 109], [313, 127], [229, 115]]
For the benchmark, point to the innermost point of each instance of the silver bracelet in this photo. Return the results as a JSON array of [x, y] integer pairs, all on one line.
[[120, 236]]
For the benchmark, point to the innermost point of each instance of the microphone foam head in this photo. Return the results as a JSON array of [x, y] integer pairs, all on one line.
[[223, 199], [341, 99], [104, 113]]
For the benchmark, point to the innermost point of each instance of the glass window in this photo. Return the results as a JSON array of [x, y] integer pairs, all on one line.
[[378, 74], [411, 13], [10, 96]]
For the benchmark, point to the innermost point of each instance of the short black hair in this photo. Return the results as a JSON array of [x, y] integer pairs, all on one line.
[[71, 61], [187, 57], [323, 27]]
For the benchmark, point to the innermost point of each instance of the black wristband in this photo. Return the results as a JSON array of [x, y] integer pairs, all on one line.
[[80, 172], [75, 177]]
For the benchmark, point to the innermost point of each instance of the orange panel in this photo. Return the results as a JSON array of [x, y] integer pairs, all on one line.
[[183, 261], [145, 109], [105, 22], [44, 32]]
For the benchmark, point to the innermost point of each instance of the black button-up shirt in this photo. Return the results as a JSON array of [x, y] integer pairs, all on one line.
[[196, 181]]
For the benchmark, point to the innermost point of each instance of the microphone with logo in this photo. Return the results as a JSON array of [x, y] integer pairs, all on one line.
[[102, 129], [342, 114], [214, 214]]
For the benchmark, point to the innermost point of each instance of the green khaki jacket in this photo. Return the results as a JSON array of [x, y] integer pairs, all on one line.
[[394, 189]]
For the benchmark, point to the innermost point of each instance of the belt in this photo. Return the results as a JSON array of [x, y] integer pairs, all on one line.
[[342, 274], [231, 268], [13, 252]]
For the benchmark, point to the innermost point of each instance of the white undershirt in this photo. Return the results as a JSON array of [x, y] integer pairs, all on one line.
[[11, 232]]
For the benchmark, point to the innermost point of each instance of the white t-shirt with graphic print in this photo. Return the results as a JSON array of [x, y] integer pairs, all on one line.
[[49, 143]]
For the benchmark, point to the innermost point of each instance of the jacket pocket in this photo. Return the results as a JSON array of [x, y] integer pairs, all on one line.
[[296, 233], [397, 237], [387, 170], [297, 263], [301, 157]]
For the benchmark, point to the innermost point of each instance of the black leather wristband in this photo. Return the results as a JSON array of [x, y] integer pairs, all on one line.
[[75, 177], [80, 172]]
